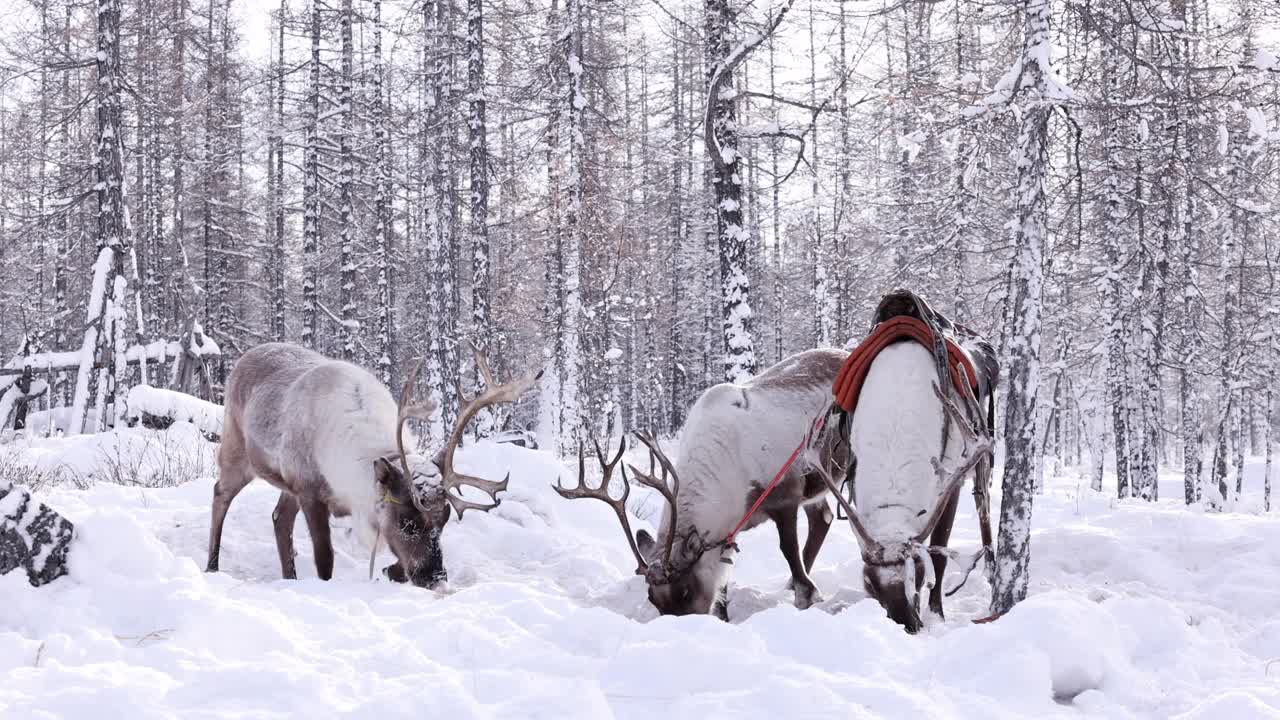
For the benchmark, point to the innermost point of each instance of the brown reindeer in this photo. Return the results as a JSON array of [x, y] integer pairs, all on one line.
[[329, 435]]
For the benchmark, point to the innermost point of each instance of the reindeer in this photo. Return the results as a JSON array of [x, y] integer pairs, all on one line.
[[736, 438], [329, 435], [913, 444]]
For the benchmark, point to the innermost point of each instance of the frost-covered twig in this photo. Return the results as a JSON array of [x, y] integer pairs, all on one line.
[[725, 71]]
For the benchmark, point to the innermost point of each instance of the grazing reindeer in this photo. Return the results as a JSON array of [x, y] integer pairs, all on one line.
[[913, 445], [330, 436], [736, 438]]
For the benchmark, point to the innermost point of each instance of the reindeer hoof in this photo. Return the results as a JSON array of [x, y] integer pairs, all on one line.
[[395, 573], [807, 597]]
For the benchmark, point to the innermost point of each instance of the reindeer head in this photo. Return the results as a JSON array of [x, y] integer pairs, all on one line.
[[684, 578], [418, 496], [899, 573], [686, 581], [411, 520]]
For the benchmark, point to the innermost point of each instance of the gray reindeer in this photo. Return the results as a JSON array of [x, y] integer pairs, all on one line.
[[330, 436], [736, 438]]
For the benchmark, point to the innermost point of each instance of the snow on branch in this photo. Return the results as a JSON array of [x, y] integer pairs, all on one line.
[[1265, 61], [157, 351], [721, 77]]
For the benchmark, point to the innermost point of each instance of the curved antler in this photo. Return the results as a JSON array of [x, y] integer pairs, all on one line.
[[409, 409], [669, 493], [870, 546], [972, 424], [491, 395], [601, 493]]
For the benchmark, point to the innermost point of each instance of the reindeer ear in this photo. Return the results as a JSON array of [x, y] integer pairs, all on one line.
[[386, 473], [646, 543]]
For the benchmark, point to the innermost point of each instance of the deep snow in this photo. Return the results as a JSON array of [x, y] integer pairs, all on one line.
[[1138, 610]]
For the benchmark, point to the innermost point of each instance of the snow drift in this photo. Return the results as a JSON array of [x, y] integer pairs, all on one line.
[[1138, 610]]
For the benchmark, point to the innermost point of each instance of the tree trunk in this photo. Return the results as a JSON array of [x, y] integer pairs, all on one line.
[[678, 232], [311, 191], [346, 202], [726, 182], [479, 229], [1022, 456], [178, 121], [383, 202], [824, 297], [569, 345], [276, 144], [106, 315]]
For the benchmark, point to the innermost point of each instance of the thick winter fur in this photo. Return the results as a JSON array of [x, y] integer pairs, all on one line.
[[736, 439], [324, 433], [896, 433]]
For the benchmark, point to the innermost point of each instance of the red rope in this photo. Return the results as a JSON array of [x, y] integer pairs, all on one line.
[[729, 539]]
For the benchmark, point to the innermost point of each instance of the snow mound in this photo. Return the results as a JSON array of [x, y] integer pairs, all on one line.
[[144, 399]]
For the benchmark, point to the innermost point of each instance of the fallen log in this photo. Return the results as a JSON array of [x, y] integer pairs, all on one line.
[[158, 408], [32, 536]]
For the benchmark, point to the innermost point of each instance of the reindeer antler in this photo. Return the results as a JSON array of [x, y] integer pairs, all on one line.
[[409, 409], [973, 426], [491, 395], [601, 493], [870, 546], [669, 493]]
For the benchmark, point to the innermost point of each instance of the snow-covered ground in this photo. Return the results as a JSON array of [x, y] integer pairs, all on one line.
[[1138, 610]]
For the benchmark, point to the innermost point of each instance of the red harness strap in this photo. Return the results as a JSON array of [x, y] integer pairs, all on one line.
[[853, 373], [729, 539], [848, 386]]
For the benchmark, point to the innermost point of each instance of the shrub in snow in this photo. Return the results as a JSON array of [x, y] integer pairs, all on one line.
[[32, 536]]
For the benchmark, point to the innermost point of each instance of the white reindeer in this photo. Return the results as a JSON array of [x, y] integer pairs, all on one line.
[[329, 435], [736, 438], [913, 445]]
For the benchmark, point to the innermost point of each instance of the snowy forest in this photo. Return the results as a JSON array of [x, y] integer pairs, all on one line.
[[534, 229], [646, 198]]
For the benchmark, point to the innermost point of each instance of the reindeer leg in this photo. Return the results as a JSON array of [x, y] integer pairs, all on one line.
[[819, 516], [317, 515], [789, 544], [941, 534], [283, 518], [233, 475]]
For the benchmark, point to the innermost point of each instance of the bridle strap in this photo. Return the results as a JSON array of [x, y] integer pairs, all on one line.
[[729, 539]]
